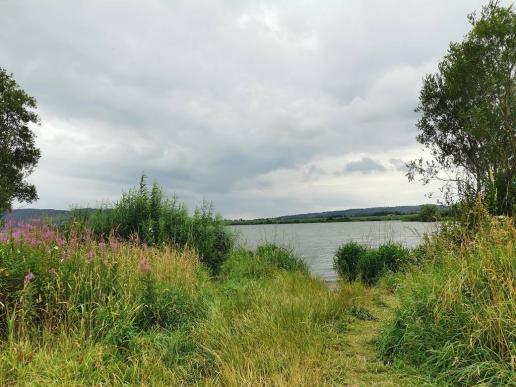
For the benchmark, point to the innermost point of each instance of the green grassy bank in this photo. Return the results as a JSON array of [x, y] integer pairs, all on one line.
[[146, 294], [82, 312]]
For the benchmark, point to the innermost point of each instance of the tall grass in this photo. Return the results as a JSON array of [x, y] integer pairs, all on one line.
[[275, 324], [457, 319], [146, 214], [107, 291]]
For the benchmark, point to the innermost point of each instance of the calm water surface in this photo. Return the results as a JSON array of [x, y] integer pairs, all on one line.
[[316, 242]]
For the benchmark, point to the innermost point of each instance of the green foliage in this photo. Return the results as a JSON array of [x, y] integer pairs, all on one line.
[[371, 267], [18, 152], [361, 313], [429, 213], [121, 313], [346, 260], [394, 256], [146, 215], [457, 319], [281, 258], [267, 260], [468, 109], [104, 292], [354, 261]]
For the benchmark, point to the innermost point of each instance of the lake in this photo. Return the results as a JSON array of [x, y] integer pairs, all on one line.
[[316, 243]]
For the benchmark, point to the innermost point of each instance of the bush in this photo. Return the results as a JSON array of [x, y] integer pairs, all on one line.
[[429, 213], [354, 261], [370, 267], [457, 319], [393, 256], [146, 215], [346, 260]]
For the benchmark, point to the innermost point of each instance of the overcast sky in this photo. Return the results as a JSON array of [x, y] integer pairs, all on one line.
[[262, 107]]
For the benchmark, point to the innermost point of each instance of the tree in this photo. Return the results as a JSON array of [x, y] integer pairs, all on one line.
[[429, 213], [468, 114], [18, 153]]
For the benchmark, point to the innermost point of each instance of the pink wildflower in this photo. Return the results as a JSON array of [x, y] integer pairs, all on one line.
[[145, 266], [28, 277]]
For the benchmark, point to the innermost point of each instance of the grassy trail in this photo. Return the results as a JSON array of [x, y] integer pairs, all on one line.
[[364, 367]]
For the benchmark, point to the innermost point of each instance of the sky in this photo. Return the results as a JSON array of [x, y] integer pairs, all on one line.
[[264, 108]]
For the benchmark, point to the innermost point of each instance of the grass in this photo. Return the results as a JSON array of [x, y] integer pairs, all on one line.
[[115, 312], [457, 318]]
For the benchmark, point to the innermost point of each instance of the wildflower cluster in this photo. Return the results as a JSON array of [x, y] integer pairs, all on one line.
[[33, 232]]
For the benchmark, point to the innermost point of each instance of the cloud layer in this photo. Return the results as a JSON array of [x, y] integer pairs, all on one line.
[[265, 108]]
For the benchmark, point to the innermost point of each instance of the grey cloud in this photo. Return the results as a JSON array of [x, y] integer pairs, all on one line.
[[399, 165], [205, 95], [365, 165]]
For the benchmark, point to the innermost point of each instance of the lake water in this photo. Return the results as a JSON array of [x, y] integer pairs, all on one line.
[[316, 243]]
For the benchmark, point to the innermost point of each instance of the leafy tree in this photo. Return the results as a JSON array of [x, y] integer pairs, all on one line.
[[428, 213], [468, 114], [18, 153]]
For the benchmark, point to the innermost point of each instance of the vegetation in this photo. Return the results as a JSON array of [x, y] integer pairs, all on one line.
[[18, 152], [346, 260], [76, 310], [456, 322], [375, 217], [356, 262], [147, 216], [142, 292], [429, 213], [468, 109], [457, 319]]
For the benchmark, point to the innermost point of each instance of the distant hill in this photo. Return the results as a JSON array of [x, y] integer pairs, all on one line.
[[27, 214], [373, 211], [407, 213]]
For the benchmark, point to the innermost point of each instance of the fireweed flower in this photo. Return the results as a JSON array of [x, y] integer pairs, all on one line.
[[89, 256], [113, 243], [145, 266], [28, 277]]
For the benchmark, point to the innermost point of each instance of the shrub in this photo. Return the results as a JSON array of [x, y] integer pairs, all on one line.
[[429, 213], [370, 267], [393, 256], [354, 261], [346, 260], [146, 215]]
